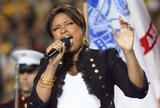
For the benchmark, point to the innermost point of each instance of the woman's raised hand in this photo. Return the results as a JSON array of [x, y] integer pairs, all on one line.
[[125, 39]]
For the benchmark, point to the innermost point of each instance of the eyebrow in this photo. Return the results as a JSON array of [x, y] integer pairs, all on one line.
[[63, 22]]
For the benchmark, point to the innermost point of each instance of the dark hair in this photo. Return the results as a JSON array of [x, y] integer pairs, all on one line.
[[74, 13]]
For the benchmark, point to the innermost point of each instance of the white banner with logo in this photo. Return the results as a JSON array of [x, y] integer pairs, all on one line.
[[102, 19]]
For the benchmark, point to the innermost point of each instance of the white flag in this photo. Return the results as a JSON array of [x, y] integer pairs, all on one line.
[[102, 19], [149, 39]]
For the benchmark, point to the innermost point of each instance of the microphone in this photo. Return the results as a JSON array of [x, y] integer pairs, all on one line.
[[54, 52]]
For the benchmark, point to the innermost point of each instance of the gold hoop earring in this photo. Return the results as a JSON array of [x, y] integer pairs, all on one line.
[[85, 41]]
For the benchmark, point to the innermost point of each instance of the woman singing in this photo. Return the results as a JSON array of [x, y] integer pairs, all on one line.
[[79, 77]]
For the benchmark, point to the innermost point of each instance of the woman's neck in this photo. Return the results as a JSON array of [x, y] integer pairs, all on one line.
[[76, 55], [73, 70]]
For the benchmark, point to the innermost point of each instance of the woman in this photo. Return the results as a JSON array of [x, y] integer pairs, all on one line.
[[81, 77]]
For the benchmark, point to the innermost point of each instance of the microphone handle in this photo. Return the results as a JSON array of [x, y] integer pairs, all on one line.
[[53, 51]]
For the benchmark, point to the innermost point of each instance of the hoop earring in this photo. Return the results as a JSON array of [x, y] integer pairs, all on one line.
[[85, 41]]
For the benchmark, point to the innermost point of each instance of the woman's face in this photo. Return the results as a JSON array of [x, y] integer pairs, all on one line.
[[63, 26]]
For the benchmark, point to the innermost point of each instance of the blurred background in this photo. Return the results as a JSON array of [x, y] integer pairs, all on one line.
[[22, 25]]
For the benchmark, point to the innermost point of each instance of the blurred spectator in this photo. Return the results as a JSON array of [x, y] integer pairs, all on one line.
[[158, 21], [5, 46], [5, 34], [40, 40], [41, 8], [21, 27], [153, 7], [0, 81], [24, 41], [6, 78]]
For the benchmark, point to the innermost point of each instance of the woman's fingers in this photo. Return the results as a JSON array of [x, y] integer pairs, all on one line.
[[58, 45], [64, 47], [115, 35], [124, 24], [120, 21]]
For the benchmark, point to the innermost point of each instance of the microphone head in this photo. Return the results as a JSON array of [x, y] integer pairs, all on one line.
[[66, 40]]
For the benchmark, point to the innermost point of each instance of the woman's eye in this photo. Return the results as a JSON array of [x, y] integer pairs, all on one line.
[[69, 23], [56, 28]]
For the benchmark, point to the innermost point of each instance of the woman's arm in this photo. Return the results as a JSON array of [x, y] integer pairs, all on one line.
[[43, 92], [125, 41], [135, 71]]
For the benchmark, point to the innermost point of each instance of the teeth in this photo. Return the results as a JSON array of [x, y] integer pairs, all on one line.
[[68, 37]]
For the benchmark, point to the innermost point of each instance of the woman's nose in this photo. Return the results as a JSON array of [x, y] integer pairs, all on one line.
[[63, 30]]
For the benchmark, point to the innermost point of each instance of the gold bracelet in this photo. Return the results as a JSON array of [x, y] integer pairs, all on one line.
[[46, 83], [47, 80], [44, 86]]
